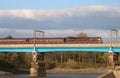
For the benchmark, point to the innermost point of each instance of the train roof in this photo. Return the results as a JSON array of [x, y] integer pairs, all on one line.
[[52, 38], [83, 37]]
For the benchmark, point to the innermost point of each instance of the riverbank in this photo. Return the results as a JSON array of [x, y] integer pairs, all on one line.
[[76, 71], [9, 71], [54, 71]]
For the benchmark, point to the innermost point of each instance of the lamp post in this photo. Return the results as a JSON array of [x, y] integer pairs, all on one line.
[[116, 34], [35, 34]]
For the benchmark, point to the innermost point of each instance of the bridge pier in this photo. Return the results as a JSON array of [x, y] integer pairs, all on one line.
[[37, 65], [113, 60]]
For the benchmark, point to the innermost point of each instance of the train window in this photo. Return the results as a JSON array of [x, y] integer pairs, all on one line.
[[58, 40], [99, 39], [53, 40], [8, 40], [46, 40], [41, 40], [50, 40], [12, 40], [4, 40]]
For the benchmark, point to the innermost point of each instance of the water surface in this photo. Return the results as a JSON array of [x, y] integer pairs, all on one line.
[[53, 76]]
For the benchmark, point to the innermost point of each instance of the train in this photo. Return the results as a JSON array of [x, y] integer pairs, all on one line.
[[68, 40]]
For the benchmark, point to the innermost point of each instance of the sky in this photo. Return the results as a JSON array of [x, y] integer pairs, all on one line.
[[53, 4], [59, 18]]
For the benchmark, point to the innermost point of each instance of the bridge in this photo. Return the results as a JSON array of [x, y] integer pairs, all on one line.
[[59, 47]]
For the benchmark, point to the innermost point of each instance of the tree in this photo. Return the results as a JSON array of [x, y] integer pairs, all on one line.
[[8, 37], [82, 35]]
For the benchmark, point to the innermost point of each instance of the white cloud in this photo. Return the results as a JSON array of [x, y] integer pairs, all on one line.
[[48, 14], [4, 30]]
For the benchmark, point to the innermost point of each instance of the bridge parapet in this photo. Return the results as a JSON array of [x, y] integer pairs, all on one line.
[[55, 45]]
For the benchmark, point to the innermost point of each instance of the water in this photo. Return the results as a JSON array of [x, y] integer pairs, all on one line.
[[54, 76]]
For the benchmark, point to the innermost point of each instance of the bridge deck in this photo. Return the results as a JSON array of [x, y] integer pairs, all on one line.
[[55, 45], [59, 47]]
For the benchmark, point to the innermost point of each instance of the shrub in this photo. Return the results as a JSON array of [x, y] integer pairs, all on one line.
[[62, 65], [50, 65], [72, 64]]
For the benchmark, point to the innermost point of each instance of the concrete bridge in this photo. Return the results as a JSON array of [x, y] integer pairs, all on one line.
[[57, 45]]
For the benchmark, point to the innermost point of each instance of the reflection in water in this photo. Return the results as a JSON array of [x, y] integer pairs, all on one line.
[[53, 76]]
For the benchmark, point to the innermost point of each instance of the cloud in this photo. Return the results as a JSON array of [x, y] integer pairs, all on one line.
[[93, 20], [97, 17]]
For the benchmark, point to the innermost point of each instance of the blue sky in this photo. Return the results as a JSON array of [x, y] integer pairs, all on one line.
[[54, 4]]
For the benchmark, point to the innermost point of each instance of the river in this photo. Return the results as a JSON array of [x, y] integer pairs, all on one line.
[[53, 76]]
